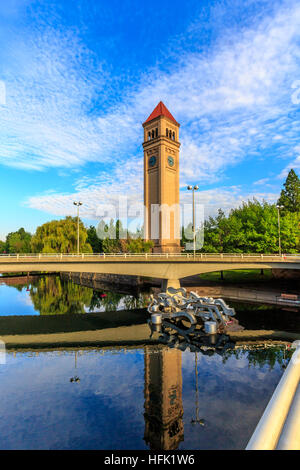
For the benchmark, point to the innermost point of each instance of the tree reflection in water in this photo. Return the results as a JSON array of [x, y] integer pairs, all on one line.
[[111, 301], [262, 355], [52, 295]]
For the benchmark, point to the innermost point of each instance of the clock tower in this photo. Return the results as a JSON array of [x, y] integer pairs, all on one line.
[[161, 180]]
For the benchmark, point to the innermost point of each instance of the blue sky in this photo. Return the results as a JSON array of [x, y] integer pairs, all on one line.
[[77, 79]]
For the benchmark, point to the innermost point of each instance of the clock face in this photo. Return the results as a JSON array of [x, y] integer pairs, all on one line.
[[171, 161], [152, 160]]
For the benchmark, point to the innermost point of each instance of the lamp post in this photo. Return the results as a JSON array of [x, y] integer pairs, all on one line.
[[197, 420], [193, 188], [279, 235], [75, 379], [78, 204]]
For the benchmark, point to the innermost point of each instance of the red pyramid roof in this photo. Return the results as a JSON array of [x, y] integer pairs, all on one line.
[[160, 110]]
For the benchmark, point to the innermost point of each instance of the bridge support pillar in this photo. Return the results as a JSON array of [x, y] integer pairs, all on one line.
[[165, 283]]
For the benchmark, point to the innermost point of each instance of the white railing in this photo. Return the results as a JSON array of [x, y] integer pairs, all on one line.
[[151, 256], [278, 427]]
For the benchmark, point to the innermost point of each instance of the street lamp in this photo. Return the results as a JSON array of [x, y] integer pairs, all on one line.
[[279, 208], [78, 204], [75, 379], [193, 188]]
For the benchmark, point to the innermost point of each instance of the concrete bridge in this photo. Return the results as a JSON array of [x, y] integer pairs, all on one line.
[[168, 267]]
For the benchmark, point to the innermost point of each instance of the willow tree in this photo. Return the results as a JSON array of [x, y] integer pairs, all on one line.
[[60, 236]]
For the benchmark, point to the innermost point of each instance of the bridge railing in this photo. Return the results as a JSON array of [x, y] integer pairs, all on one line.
[[150, 256], [278, 427]]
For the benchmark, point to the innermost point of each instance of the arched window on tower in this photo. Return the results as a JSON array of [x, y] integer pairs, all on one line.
[[149, 135], [153, 134], [170, 134], [167, 132], [173, 136], [156, 132]]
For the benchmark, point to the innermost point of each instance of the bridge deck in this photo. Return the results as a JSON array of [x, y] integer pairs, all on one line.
[[168, 267], [150, 257]]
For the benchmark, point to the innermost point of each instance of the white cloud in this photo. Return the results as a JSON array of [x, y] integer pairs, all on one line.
[[49, 85], [96, 197], [232, 103], [237, 87], [262, 181], [295, 164]]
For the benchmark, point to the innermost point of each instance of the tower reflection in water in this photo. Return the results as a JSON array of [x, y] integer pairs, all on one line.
[[163, 399], [163, 381]]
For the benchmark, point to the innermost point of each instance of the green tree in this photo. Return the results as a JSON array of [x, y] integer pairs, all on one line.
[[211, 236], [138, 245], [111, 246], [187, 237], [2, 247], [251, 228], [94, 240], [110, 237], [116, 241], [60, 236], [290, 195], [18, 242]]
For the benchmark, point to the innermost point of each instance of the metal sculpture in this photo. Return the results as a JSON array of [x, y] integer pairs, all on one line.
[[200, 313]]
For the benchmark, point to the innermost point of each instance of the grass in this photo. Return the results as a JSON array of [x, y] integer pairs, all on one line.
[[239, 276]]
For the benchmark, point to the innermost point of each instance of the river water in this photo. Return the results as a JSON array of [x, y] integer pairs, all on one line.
[[140, 395]]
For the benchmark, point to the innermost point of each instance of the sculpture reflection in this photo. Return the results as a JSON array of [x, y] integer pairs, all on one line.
[[174, 334]]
